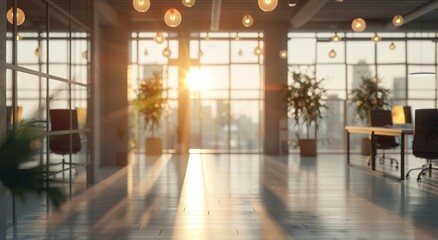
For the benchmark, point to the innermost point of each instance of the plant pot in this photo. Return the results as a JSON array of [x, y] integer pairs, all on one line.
[[153, 146], [307, 147], [365, 146]]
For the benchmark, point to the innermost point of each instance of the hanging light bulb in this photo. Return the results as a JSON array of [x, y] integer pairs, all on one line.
[[20, 16], [38, 52], [267, 5], [141, 5], [207, 37], [240, 52], [200, 53], [358, 25], [85, 54], [258, 51], [247, 21], [18, 37], [336, 38], [332, 53], [237, 38], [159, 38], [376, 37], [339, 1], [166, 52], [391, 46], [398, 20], [146, 52], [283, 54], [188, 3], [172, 17]]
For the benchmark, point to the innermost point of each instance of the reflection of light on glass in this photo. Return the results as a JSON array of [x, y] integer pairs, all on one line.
[[195, 80]]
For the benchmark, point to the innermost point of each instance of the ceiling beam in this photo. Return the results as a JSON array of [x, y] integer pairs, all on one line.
[[215, 15], [416, 14], [306, 12]]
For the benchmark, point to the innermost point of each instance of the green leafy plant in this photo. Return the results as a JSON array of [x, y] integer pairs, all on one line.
[[306, 100], [370, 95], [20, 172], [150, 102]]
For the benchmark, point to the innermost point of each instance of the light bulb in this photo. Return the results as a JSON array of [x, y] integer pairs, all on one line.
[[258, 51], [247, 21], [166, 52], [397, 20], [85, 54], [200, 53], [20, 16], [332, 53], [267, 5], [146, 52], [336, 38], [358, 25], [38, 52], [339, 1], [18, 37], [188, 3], [283, 54], [141, 5], [240, 52], [376, 38], [391, 46], [159, 38], [172, 17]]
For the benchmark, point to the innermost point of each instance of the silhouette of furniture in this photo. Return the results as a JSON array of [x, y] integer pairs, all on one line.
[[425, 143], [62, 141], [383, 118]]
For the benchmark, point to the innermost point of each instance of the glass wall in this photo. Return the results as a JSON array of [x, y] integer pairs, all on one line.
[[47, 69], [342, 64]]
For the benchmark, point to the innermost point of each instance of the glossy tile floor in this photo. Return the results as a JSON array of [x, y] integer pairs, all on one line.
[[244, 197]]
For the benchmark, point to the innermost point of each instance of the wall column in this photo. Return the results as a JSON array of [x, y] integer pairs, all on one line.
[[183, 135], [275, 110], [114, 133]]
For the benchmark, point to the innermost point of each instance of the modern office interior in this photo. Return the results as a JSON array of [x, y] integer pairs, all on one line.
[[220, 156]]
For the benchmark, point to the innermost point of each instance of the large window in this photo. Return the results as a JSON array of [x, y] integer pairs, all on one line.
[[356, 56]]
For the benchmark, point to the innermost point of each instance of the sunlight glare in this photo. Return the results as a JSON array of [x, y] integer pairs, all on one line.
[[195, 79]]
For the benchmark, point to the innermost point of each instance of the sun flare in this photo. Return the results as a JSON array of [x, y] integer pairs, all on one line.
[[196, 79]]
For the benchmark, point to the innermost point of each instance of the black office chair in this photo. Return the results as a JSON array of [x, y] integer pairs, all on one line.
[[383, 118], [425, 144]]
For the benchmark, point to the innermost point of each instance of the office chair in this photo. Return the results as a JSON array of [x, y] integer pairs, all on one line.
[[425, 143], [68, 143], [383, 118]]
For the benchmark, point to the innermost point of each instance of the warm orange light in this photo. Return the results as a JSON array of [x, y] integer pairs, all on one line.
[[172, 17], [188, 3], [398, 20], [336, 38], [247, 21], [166, 52], [332, 53], [283, 54], [258, 51], [358, 25], [159, 38], [376, 38], [141, 5], [267, 5], [391, 46], [20, 16]]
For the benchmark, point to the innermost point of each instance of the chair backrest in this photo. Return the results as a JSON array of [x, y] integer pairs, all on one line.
[[60, 121], [425, 144], [381, 118]]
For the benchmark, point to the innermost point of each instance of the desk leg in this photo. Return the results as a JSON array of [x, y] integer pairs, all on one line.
[[402, 157], [348, 148], [373, 151]]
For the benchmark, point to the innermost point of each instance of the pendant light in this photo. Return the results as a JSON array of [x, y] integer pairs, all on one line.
[[376, 38], [166, 52], [188, 3], [358, 25], [159, 38], [336, 38], [141, 5], [38, 52], [247, 21], [283, 54], [258, 51], [240, 53], [172, 17], [267, 5], [332, 53], [398, 20], [391, 46], [20, 16]]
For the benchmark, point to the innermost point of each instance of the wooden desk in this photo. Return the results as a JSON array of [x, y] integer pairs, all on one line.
[[383, 131]]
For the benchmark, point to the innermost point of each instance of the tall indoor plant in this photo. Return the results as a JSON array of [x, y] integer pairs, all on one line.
[[369, 95], [151, 104], [306, 101]]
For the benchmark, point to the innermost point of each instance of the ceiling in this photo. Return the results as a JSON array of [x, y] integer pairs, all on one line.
[[307, 15]]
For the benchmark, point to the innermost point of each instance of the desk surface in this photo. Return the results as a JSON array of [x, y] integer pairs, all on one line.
[[383, 130]]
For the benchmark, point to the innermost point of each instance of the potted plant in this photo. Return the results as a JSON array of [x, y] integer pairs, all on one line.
[[151, 104], [305, 102], [369, 95]]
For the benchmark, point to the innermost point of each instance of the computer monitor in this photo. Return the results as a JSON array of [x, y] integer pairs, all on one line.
[[401, 115]]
